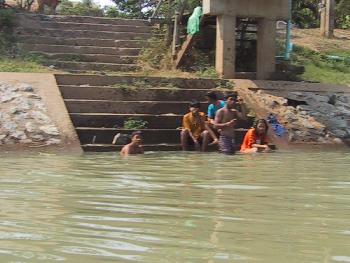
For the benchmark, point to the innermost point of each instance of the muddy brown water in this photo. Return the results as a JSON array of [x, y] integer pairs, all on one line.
[[175, 207]]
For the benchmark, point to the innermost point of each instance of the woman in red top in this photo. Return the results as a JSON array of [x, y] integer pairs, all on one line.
[[255, 138]]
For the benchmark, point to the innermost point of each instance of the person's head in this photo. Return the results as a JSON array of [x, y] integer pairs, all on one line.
[[136, 137], [261, 126], [211, 97], [231, 100], [195, 107]]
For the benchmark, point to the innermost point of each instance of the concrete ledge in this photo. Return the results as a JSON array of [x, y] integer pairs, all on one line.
[[46, 87]]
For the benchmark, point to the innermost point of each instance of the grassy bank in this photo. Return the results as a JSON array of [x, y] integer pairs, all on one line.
[[22, 64], [325, 60], [332, 66], [12, 59]]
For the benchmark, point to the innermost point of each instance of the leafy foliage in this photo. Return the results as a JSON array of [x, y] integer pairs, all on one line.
[[84, 8], [343, 14], [7, 25], [135, 124], [135, 8]]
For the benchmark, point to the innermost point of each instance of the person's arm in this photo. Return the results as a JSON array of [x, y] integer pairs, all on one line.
[[261, 146], [244, 110], [218, 120]]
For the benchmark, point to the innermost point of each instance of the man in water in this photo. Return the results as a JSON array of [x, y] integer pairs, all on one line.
[[135, 146], [194, 129], [225, 120]]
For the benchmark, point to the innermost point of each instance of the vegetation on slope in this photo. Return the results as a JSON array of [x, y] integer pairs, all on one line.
[[325, 60], [11, 58]]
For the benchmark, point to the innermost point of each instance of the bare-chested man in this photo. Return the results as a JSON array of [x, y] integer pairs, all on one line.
[[225, 120], [135, 146]]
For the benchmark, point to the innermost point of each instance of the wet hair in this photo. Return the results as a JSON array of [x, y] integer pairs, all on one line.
[[212, 95], [195, 104], [136, 133], [233, 95], [261, 121]]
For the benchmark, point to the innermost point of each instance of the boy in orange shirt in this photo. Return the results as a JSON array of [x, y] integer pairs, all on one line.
[[194, 128]]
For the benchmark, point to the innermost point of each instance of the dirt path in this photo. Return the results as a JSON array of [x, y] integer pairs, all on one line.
[[311, 38]]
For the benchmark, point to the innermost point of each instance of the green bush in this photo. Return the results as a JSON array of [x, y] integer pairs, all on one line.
[[113, 12], [7, 25], [343, 14], [135, 124]]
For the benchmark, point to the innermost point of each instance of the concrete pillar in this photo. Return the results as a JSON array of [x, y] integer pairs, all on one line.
[[225, 56], [266, 48]]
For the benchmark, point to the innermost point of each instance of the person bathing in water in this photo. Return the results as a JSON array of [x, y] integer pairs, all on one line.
[[214, 105], [255, 140], [194, 128], [135, 146], [225, 120]]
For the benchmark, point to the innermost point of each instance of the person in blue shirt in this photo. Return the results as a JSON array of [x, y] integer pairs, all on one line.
[[214, 105]]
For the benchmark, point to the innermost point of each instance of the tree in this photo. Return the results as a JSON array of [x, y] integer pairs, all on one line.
[[342, 11], [144, 8], [84, 8], [135, 8]]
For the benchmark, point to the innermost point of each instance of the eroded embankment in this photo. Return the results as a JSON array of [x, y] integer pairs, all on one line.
[[310, 113]]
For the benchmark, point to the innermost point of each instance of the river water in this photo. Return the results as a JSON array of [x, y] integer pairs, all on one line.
[[175, 207]]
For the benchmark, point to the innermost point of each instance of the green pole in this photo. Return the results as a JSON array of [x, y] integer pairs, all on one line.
[[288, 49]]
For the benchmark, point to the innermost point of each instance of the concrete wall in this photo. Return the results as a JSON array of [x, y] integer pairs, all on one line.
[[271, 9], [45, 86]]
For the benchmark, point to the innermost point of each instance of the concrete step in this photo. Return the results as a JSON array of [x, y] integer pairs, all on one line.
[[88, 135], [164, 147], [29, 39], [48, 32], [126, 92], [95, 80], [130, 43], [128, 107], [161, 121], [90, 66], [105, 135], [80, 49], [99, 58], [86, 19], [92, 27]]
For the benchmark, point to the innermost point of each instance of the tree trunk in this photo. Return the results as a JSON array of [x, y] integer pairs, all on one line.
[[170, 26]]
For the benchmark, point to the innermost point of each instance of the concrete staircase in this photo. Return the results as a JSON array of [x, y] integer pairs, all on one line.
[[99, 105], [84, 44]]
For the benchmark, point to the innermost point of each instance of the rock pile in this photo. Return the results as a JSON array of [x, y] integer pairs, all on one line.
[[310, 117], [23, 117]]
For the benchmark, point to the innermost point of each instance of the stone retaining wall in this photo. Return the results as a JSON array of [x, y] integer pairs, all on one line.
[[24, 118], [33, 115]]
